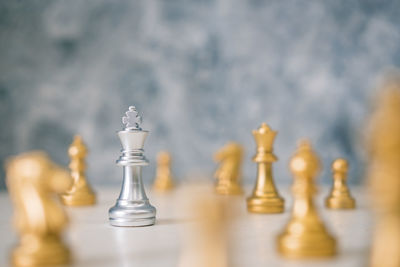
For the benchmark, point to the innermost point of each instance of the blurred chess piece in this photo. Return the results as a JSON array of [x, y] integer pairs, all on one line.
[[33, 180], [205, 241], [163, 181], [305, 236], [265, 197], [340, 197], [228, 173], [80, 193], [384, 176]]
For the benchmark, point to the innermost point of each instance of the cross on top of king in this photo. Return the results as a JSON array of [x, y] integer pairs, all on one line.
[[132, 120]]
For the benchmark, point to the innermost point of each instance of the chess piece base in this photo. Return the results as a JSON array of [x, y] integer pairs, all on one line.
[[232, 189], [47, 251], [132, 214], [79, 199], [340, 203], [265, 204], [302, 247]]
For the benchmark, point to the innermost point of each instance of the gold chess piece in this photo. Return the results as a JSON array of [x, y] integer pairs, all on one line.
[[32, 181], [206, 240], [340, 197], [80, 193], [228, 173], [265, 197], [163, 181], [305, 236], [384, 177]]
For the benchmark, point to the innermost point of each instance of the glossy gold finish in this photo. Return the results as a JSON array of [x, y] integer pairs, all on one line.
[[32, 181], [340, 197], [80, 193], [265, 197], [384, 176], [163, 181], [228, 173], [305, 236]]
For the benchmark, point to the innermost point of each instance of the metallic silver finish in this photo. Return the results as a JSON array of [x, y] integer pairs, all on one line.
[[133, 207]]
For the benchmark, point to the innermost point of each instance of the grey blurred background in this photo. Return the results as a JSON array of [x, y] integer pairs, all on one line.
[[201, 73]]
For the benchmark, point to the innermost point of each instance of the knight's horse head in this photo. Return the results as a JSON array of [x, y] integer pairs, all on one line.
[[32, 179], [229, 151]]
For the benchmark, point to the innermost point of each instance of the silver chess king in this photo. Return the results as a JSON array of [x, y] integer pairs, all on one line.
[[133, 207]]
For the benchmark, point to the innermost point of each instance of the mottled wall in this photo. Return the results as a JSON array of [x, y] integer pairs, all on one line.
[[200, 72]]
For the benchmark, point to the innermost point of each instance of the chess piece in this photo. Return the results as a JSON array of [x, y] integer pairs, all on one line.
[[32, 181], [340, 197], [133, 207], [265, 197], [305, 236], [205, 240], [80, 193], [163, 181], [229, 172], [384, 176]]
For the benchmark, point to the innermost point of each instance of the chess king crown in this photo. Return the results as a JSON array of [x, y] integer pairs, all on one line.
[[132, 138]]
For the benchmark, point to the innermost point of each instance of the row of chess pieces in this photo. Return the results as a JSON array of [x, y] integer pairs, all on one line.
[[33, 179]]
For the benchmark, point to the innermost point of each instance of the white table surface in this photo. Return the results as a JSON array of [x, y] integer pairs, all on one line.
[[95, 243]]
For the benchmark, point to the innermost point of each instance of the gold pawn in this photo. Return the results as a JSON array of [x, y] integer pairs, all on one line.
[[80, 193], [265, 197], [32, 181], [340, 197], [163, 181], [229, 172], [384, 177], [305, 236]]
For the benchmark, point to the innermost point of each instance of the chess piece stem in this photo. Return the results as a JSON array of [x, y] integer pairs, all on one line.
[[163, 181], [133, 207], [340, 197], [384, 176], [229, 172], [80, 193], [305, 236], [265, 197], [32, 181]]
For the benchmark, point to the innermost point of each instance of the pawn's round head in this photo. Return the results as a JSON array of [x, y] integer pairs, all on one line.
[[305, 161], [163, 157], [340, 165]]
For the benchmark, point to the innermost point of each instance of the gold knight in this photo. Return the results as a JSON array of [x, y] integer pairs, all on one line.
[[228, 173], [33, 181]]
